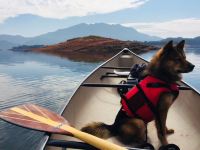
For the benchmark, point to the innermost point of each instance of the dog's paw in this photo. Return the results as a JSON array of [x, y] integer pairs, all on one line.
[[170, 131]]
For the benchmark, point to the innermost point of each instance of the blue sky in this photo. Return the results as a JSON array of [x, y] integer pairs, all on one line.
[[164, 18]]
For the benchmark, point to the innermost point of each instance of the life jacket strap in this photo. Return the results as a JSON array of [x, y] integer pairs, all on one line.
[[148, 102], [158, 85]]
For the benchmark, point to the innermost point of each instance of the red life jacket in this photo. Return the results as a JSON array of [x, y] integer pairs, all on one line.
[[142, 100]]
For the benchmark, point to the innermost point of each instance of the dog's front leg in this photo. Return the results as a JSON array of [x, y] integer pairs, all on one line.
[[166, 101], [161, 129]]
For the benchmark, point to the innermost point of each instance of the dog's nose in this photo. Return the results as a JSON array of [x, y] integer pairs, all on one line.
[[192, 66]]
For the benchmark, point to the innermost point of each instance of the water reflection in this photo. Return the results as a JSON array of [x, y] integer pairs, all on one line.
[[35, 78]]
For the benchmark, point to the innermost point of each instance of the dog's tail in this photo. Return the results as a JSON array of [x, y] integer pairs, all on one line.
[[98, 129]]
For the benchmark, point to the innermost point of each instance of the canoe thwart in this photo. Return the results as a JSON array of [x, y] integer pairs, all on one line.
[[184, 88], [113, 76], [107, 73], [113, 67], [107, 85], [122, 85]]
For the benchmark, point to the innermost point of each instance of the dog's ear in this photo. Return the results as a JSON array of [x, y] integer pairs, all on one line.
[[168, 46], [180, 45]]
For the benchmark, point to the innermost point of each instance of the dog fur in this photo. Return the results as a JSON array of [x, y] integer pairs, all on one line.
[[167, 64]]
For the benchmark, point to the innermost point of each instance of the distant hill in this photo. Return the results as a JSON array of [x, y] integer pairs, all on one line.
[[98, 29], [9, 41], [15, 39], [190, 41], [92, 48], [80, 30]]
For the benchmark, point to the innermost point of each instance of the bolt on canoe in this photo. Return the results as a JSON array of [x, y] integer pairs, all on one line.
[[97, 100]]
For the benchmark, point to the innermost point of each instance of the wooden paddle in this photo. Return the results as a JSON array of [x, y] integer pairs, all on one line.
[[38, 118]]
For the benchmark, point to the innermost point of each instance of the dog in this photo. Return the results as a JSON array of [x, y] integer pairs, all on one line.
[[167, 65]]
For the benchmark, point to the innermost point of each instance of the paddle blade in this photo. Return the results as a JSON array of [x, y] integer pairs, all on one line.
[[36, 118]]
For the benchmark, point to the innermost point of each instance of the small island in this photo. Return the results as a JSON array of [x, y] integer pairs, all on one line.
[[25, 48], [92, 48]]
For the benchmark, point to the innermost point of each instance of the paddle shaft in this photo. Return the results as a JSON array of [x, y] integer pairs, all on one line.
[[90, 139]]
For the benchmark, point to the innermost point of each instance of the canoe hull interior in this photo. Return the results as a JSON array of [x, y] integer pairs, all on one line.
[[100, 104]]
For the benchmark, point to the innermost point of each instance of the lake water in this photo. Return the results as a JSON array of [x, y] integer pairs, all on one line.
[[36, 78], [48, 81]]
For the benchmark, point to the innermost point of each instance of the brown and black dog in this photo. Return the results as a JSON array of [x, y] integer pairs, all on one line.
[[167, 64]]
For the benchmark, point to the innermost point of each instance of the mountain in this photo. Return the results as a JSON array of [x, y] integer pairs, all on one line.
[[4, 45], [92, 48], [98, 29], [80, 30], [9, 41], [15, 39]]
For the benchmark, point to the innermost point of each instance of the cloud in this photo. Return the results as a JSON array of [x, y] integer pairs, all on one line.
[[63, 8], [188, 27]]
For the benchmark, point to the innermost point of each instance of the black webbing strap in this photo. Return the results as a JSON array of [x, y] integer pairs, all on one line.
[[157, 85], [149, 103], [151, 106]]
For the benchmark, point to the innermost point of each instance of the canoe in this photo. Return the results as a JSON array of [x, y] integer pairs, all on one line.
[[101, 104]]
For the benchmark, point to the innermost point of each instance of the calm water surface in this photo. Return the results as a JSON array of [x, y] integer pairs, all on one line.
[[35, 78], [48, 81]]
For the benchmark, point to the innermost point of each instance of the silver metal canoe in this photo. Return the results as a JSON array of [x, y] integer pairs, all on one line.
[[101, 104]]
